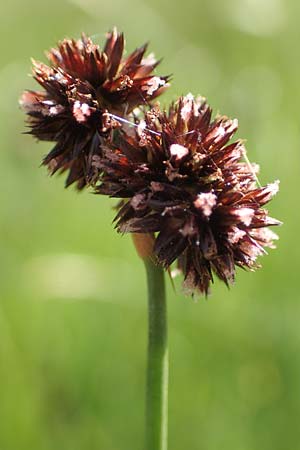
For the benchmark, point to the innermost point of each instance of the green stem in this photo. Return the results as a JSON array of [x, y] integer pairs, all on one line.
[[157, 371]]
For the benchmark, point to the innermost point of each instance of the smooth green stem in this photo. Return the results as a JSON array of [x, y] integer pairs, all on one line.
[[157, 371]]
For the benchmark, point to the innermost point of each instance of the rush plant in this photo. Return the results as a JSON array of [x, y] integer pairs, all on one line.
[[187, 192]]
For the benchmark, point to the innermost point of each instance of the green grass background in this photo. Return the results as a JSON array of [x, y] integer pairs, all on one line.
[[72, 307]]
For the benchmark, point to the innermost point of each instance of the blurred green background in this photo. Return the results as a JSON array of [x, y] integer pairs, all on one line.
[[73, 309]]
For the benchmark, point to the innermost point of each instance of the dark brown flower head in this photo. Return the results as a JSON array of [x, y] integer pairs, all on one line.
[[180, 178], [84, 89]]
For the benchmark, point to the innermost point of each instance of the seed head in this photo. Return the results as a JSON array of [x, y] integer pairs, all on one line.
[[180, 178], [84, 89]]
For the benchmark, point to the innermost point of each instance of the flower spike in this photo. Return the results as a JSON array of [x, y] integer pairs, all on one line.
[[84, 90], [181, 178]]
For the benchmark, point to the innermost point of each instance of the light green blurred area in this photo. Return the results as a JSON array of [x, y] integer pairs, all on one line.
[[73, 309]]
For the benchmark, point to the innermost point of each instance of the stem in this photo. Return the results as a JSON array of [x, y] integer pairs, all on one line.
[[157, 371]]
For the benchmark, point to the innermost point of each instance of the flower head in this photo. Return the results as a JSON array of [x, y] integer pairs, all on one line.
[[181, 179], [84, 89]]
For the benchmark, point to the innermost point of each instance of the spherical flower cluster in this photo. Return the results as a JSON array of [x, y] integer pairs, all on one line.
[[84, 88], [180, 178]]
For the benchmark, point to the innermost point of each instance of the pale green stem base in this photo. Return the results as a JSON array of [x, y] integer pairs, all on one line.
[[157, 371]]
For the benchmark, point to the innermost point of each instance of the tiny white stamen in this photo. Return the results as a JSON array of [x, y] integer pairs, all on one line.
[[153, 84], [206, 201], [85, 109], [149, 60], [221, 131], [54, 110], [179, 151], [187, 108], [234, 126], [274, 187], [189, 97], [81, 111], [245, 215]]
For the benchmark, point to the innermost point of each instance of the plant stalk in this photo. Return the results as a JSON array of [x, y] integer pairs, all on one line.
[[157, 370]]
